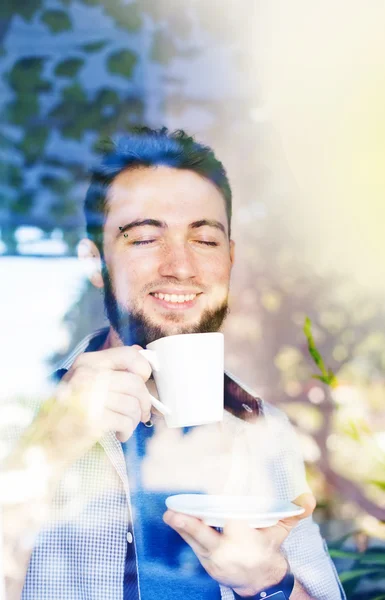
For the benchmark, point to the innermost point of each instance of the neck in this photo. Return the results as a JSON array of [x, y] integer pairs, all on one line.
[[112, 340]]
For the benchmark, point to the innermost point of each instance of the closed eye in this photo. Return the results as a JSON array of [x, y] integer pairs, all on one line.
[[207, 243], [142, 242]]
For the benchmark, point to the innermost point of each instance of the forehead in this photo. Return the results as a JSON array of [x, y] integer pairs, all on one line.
[[164, 193]]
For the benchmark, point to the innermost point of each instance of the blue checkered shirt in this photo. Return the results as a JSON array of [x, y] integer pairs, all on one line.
[[92, 546]]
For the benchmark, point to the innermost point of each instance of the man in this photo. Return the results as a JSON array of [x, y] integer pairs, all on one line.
[[158, 217]]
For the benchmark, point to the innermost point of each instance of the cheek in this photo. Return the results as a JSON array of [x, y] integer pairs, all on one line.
[[218, 270], [129, 277]]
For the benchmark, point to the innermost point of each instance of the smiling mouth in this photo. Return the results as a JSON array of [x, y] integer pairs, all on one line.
[[175, 299]]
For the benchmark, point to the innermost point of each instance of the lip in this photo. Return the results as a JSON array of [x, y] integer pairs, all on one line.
[[177, 292], [175, 305]]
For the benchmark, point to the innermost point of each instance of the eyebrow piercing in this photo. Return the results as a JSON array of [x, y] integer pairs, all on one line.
[[125, 234]]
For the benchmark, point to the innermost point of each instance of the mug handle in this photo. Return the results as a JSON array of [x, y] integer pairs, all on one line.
[[150, 355]]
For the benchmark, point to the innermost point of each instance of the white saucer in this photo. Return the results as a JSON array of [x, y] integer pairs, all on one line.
[[256, 511]]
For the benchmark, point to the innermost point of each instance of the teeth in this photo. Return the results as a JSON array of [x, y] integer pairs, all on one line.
[[177, 299]]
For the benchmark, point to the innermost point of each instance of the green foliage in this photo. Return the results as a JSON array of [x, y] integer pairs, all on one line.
[[25, 76], [69, 67], [58, 185], [107, 97], [94, 46], [33, 143], [122, 63], [377, 483], [369, 566], [327, 376], [23, 8], [20, 110], [126, 16], [91, 2], [74, 93], [11, 174], [24, 202], [60, 210], [56, 20]]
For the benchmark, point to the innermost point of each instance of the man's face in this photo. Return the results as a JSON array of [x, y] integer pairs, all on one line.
[[167, 254]]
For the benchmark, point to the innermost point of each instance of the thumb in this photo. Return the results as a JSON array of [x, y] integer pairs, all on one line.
[[306, 501], [281, 530]]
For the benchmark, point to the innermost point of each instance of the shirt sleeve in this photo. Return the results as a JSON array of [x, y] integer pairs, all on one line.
[[304, 548]]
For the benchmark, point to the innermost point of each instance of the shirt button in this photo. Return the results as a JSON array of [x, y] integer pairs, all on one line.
[[129, 537]]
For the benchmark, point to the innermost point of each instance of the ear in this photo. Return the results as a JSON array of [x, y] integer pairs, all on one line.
[[232, 252], [89, 254]]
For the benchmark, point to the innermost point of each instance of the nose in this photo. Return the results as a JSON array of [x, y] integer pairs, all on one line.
[[178, 262]]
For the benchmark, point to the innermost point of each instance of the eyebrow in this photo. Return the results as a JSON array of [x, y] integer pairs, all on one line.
[[142, 223], [163, 225]]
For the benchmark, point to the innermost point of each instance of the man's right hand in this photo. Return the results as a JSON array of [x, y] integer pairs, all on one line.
[[102, 391], [109, 386]]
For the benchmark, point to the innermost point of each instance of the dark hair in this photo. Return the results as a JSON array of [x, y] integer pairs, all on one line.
[[145, 147]]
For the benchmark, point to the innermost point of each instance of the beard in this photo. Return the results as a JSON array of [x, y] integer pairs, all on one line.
[[133, 327]]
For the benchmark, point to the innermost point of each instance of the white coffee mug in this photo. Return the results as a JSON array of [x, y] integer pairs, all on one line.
[[189, 374]]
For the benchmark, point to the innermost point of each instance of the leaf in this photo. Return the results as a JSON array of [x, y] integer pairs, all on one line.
[[24, 202], [21, 110], [74, 93], [12, 175], [56, 20], [312, 347], [26, 10], [122, 63], [25, 76], [327, 376], [362, 557], [69, 67], [356, 573], [33, 143], [107, 97], [377, 483], [352, 430], [62, 209], [126, 16], [94, 46], [58, 185]]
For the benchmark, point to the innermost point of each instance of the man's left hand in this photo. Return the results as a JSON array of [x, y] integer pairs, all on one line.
[[244, 559]]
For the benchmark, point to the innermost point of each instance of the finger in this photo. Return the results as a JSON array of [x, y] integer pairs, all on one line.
[[128, 405], [279, 532], [132, 385], [306, 501], [203, 539], [123, 425], [124, 358]]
